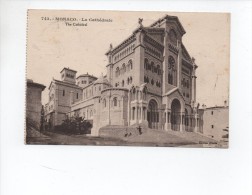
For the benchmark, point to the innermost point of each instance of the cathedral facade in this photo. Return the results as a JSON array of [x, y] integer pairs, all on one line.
[[150, 81]]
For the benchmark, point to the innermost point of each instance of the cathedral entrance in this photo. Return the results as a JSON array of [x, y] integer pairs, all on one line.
[[175, 115], [153, 115]]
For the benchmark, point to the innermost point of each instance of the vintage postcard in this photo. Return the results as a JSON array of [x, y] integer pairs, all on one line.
[[127, 78]]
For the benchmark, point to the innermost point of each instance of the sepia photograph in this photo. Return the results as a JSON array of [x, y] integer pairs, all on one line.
[[120, 78]]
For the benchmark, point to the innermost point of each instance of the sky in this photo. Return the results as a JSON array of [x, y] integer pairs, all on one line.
[[51, 46]]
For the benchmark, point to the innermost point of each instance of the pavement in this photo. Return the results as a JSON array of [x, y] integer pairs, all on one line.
[[149, 137]]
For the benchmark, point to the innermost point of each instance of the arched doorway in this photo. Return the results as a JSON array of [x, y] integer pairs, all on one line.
[[153, 115], [175, 115]]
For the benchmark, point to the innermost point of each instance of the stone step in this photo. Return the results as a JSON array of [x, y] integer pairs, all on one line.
[[120, 131], [132, 134]]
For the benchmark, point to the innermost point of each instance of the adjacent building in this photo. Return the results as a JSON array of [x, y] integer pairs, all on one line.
[[214, 122], [150, 81], [33, 103]]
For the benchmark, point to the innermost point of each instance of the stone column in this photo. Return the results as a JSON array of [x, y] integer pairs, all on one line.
[[179, 64], [196, 127], [131, 110], [194, 80], [128, 114], [182, 124], [138, 62], [141, 111], [166, 120], [159, 117]]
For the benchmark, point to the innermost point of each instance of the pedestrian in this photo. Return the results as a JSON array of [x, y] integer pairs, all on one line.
[[126, 132], [139, 130]]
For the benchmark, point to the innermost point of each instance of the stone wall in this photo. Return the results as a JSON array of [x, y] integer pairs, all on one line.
[[33, 102]]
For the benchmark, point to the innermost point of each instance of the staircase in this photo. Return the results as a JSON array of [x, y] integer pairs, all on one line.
[[153, 136], [117, 131], [194, 137]]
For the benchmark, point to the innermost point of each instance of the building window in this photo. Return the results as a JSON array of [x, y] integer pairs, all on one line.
[[77, 95], [63, 93], [146, 62], [104, 103], [123, 68], [122, 83], [152, 66], [152, 81], [130, 64], [115, 101], [170, 79], [158, 70], [212, 112], [117, 73], [212, 126]]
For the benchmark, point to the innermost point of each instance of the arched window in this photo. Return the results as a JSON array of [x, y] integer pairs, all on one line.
[[152, 66], [104, 103], [146, 62], [171, 62], [117, 73], [122, 83], [63, 92], [114, 101], [123, 68], [170, 79], [158, 70], [152, 81], [130, 64]]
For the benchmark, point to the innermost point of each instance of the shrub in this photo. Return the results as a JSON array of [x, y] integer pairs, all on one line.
[[75, 125]]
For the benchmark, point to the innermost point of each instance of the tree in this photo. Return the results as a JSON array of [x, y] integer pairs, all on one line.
[[76, 125]]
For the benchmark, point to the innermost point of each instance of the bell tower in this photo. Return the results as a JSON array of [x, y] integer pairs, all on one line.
[[68, 75]]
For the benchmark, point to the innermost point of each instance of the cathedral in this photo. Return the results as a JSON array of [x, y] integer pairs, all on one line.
[[150, 81]]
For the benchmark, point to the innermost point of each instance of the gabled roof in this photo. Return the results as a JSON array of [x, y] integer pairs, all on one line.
[[153, 26], [185, 53], [68, 69], [64, 83], [171, 18], [173, 91], [86, 75]]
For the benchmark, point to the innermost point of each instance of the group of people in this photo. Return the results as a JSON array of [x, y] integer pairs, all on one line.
[[128, 134]]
